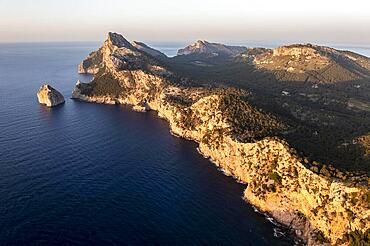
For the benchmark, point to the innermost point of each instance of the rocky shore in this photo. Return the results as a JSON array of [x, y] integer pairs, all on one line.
[[320, 207]]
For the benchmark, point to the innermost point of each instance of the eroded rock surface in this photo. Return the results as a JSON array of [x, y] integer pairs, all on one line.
[[49, 96]]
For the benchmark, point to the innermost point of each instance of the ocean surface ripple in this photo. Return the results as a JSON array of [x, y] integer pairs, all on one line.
[[87, 174]]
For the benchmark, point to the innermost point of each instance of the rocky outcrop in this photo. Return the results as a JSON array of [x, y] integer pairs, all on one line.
[[307, 62], [91, 64], [49, 96], [204, 47], [321, 204]]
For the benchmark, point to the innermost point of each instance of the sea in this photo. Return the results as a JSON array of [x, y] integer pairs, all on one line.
[[89, 174]]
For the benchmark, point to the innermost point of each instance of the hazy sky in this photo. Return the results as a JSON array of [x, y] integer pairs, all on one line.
[[273, 21]]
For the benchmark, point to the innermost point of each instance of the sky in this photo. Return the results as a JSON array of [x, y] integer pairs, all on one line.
[[231, 21]]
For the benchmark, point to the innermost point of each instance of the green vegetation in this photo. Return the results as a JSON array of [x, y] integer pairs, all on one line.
[[354, 200], [275, 176], [366, 198], [180, 101], [321, 237], [247, 122], [356, 238], [103, 84], [316, 118], [322, 126]]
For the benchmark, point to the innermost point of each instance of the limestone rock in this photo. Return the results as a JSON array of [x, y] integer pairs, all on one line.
[[76, 93], [91, 64], [118, 40], [49, 96], [204, 47], [139, 108]]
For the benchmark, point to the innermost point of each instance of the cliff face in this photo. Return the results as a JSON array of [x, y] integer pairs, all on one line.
[[320, 205], [91, 64]]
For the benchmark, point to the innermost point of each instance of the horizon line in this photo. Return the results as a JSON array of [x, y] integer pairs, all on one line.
[[262, 44]]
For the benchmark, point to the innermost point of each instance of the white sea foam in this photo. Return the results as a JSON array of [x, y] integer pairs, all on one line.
[[278, 232]]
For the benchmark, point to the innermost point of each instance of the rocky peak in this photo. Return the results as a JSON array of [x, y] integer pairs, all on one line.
[[201, 43], [118, 40], [204, 47], [114, 46], [118, 54]]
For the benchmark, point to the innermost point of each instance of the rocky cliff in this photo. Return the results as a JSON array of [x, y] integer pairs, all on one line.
[[49, 96], [321, 204]]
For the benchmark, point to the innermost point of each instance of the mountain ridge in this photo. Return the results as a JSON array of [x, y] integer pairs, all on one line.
[[205, 47], [313, 199], [295, 62]]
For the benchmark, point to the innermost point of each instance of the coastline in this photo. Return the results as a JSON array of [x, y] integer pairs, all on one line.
[[278, 227], [279, 207], [321, 207]]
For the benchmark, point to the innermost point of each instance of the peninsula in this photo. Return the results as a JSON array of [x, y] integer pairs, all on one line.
[[268, 117]]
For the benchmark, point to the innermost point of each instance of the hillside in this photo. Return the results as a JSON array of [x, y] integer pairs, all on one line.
[[254, 134], [310, 63], [325, 116], [211, 49], [323, 92]]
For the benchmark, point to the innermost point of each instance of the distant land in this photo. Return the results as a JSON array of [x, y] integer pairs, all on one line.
[[292, 122], [171, 48]]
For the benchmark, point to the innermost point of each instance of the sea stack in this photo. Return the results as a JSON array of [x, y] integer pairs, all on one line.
[[49, 96]]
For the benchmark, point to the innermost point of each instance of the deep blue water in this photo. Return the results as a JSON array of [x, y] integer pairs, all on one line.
[[88, 174]]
